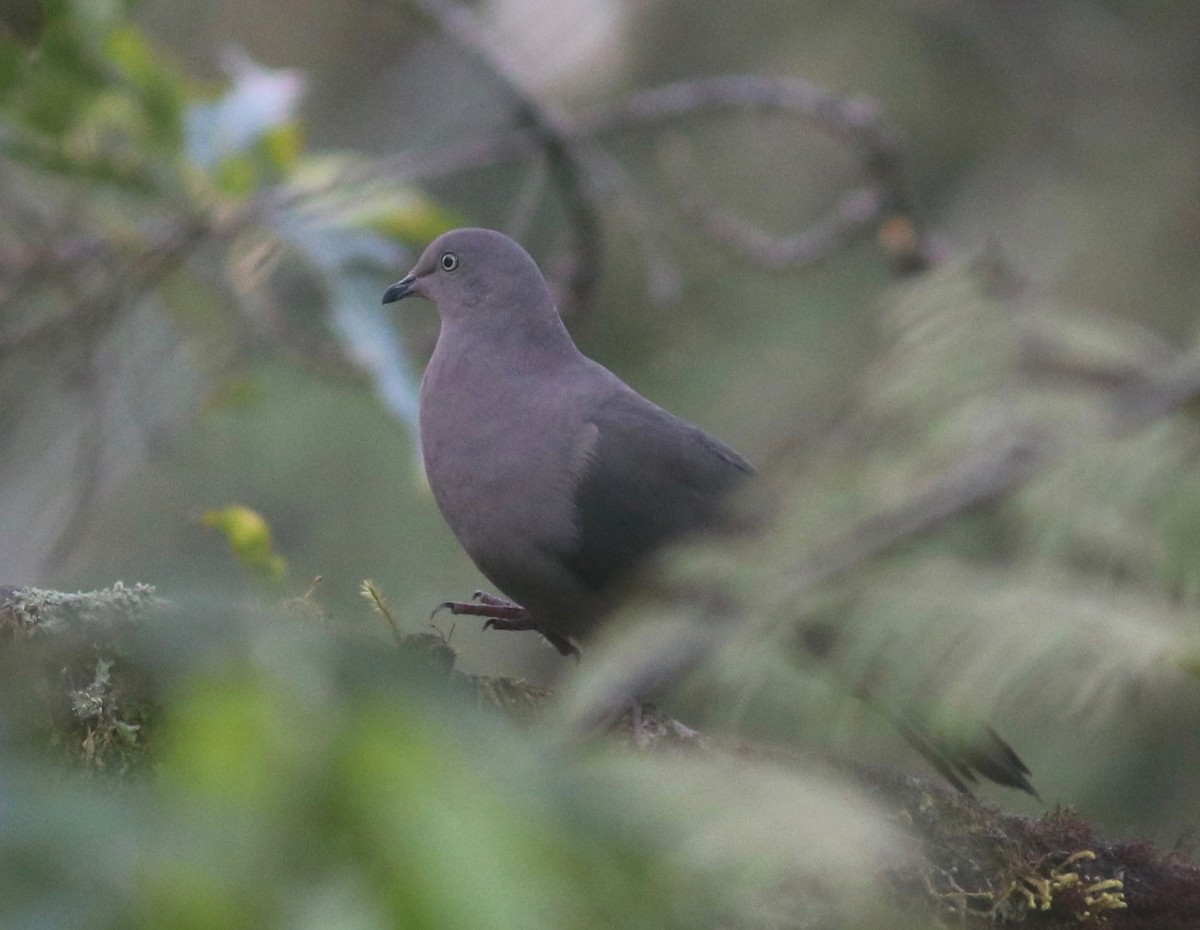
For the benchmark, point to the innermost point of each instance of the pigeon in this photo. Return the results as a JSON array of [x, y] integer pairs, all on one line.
[[558, 479]]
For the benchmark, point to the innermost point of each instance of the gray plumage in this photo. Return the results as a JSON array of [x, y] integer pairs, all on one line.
[[557, 477]]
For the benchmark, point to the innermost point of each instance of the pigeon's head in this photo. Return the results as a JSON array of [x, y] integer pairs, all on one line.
[[474, 272]]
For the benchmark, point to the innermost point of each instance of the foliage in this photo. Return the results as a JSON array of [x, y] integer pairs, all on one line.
[[1000, 526], [152, 232], [300, 778], [985, 537]]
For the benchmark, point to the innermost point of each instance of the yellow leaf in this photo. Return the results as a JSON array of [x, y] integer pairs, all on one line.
[[249, 537], [415, 222]]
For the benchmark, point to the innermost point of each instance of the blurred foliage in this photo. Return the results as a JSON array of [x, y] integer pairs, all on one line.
[[154, 230], [298, 777], [989, 534], [301, 779], [183, 282]]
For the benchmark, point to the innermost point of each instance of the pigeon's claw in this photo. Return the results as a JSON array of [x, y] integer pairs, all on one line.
[[564, 645], [503, 614], [444, 605], [482, 605]]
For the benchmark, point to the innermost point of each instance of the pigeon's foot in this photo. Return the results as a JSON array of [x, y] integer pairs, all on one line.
[[495, 608], [564, 646], [503, 614]]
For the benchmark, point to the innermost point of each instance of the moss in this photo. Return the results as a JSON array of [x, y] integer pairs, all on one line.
[[983, 867], [78, 692], [85, 699]]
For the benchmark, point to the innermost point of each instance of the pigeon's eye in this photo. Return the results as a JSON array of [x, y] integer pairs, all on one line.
[[449, 261]]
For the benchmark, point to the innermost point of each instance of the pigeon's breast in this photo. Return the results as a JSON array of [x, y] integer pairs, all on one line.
[[498, 450]]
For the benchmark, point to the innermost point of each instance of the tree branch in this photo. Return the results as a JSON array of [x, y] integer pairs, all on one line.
[[883, 203], [1006, 463], [551, 128], [967, 860]]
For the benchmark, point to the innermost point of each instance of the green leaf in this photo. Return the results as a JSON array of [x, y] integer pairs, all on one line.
[[159, 91], [283, 145]]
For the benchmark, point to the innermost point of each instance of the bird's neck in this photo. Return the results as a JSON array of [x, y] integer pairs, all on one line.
[[528, 344], [474, 383]]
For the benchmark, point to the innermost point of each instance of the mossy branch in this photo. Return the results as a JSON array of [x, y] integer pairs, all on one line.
[[971, 864]]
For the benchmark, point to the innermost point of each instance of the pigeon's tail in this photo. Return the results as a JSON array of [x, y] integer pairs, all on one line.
[[963, 759]]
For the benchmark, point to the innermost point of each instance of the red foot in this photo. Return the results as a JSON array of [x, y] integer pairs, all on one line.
[[505, 615]]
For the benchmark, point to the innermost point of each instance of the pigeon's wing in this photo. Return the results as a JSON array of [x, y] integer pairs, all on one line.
[[646, 477]]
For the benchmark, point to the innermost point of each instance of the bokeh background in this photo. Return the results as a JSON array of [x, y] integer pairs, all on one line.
[[1064, 134], [200, 205]]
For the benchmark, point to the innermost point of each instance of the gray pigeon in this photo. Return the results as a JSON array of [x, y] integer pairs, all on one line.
[[557, 477]]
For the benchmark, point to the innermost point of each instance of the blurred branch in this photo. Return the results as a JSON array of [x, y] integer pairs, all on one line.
[[856, 212], [1143, 401], [966, 860], [89, 456], [551, 128], [647, 226], [991, 471], [531, 191], [883, 203], [130, 271], [854, 122], [1005, 463], [703, 614], [86, 316]]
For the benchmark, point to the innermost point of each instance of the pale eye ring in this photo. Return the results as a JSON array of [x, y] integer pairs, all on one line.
[[449, 261]]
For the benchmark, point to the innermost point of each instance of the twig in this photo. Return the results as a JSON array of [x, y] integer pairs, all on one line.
[[854, 214], [89, 456], [97, 312], [985, 475], [1010, 462], [162, 251], [1143, 401], [648, 230], [551, 128], [371, 592], [883, 202], [855, 122], [525, 204]]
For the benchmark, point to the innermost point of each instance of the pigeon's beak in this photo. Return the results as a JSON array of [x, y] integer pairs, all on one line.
[[400, 289]]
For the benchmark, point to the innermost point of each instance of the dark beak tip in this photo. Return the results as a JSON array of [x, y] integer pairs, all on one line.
[[399, 290]]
